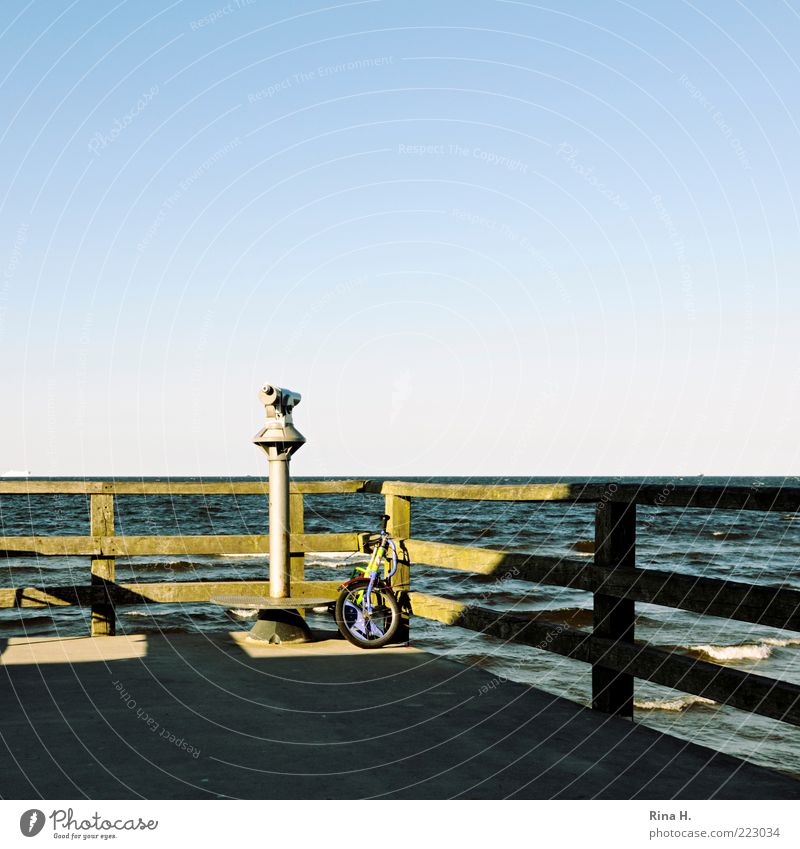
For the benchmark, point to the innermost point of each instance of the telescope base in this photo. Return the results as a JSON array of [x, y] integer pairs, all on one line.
[[279, 626]]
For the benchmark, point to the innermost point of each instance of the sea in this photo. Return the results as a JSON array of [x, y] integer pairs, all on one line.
[[754, 547]]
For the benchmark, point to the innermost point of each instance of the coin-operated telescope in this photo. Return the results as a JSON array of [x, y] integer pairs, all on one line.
[[280, 439]]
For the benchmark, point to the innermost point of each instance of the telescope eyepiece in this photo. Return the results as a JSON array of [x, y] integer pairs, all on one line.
[[278, 400]]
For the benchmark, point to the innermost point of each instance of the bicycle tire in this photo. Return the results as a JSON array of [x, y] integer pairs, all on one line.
[[371, 633]]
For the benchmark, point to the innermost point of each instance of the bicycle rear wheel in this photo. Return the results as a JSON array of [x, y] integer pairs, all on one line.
[[368, 623]]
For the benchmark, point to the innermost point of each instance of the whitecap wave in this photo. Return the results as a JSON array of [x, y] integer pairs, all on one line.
[[751, 651], [243, 613], [336, 555], [782, 643], [676, 704], [313, 558], [333, 560], [247, 556]]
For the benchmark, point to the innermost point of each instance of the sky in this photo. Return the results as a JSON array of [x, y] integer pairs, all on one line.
[[485, 238]]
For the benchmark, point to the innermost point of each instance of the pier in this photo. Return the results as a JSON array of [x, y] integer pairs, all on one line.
[[325, 719], [188, 716]]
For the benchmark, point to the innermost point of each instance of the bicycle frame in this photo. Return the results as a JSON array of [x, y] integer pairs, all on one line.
[[376, 563]]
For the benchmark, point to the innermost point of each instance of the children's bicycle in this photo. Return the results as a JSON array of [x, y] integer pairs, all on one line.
[[367, 611]]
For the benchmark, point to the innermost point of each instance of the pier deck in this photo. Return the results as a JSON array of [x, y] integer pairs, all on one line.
[[200, 716]]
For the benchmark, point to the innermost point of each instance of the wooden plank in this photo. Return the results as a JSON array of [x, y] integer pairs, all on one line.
[[102, 568], [46, 596], [200, 591], [113, 546], [65, 546], [167, 487], [614, 616], [537, 568], [398, 508], [703, 496], [128, 546], [536, 632], [297, 561], [53, 487], [146, 593], [488, 492], [743, 690], [775, 607], [671, 494]]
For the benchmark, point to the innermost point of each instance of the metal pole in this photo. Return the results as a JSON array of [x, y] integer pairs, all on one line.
[[279, 570]]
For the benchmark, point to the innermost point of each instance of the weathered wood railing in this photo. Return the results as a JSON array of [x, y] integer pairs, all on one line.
[[103, 547], [613, 579]]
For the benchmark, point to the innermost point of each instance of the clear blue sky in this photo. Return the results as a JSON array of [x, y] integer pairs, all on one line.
[[480, 238]]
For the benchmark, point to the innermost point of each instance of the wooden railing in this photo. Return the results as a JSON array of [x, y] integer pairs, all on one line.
[[103, 547], [613, 578]]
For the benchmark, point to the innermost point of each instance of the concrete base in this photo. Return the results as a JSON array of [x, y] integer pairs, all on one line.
[[280, 626]]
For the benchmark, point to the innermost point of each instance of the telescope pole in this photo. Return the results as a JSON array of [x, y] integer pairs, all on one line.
[[279, 568]]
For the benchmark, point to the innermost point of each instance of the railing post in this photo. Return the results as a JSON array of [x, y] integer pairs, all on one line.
[[615, 547], [297, 560], [398, 508], [101, 517]]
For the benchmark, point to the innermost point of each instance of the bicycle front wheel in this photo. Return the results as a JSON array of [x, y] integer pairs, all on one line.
[[368, 621]]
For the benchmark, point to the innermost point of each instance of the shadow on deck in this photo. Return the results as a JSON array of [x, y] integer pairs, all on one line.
[[205, 716]]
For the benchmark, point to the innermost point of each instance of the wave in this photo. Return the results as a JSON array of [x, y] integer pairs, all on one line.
[[168, 565], [246, 556], [754, 651], [318, 558], [676, 704], [746, 651], [336, 555], [175, 621], [781, 643], [732, 535], [334, 560], [242, 613]]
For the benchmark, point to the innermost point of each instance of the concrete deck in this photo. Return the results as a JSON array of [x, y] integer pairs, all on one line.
[[192, 716]]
